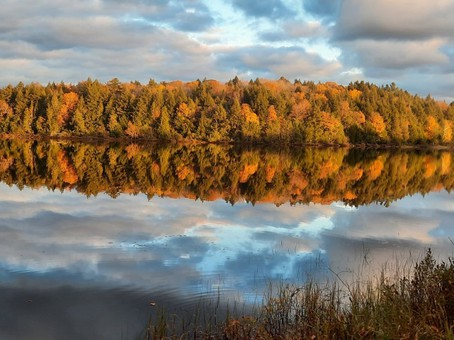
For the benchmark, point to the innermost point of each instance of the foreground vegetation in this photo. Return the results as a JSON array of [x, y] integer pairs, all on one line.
[[419, 305], [210, 172], [260, 111]]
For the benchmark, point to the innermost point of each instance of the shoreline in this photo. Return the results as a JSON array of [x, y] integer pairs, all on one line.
[[93, 139]]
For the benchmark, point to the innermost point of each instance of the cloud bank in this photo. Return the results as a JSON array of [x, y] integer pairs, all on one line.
[[409, 42]]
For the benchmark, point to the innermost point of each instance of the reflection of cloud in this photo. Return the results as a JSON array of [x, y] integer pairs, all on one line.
[[135, 236], [69, 231], [175, 249], [285, 215], [186, 246], [372, 238], [370, 223]]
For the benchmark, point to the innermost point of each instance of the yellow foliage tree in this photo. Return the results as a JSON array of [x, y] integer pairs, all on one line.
[[432, 128], [70, 100], [332, 129], [185, 110], [272, 114], [354, 94], [5, 109], [447, 131], [301, 109], [378, 124], [249, 115], [132, 130], [321, 97], [350, 117]]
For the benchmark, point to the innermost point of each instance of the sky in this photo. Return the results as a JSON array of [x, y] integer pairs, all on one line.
[[409, 42]]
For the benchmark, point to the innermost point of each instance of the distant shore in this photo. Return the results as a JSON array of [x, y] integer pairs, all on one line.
[[144, 140]]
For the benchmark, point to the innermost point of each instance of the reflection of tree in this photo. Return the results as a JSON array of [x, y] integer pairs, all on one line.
[[212, 172]]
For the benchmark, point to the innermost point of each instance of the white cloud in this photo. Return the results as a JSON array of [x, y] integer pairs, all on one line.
[[271, 62], [49, 41], [397, 55], [401, 20]]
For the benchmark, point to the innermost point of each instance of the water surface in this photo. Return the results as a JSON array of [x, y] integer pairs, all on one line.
[[96, 238]]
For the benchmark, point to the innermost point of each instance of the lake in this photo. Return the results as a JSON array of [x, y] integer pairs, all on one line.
[[96, 238]]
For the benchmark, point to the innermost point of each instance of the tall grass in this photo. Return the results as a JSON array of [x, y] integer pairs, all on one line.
[[416, 305]]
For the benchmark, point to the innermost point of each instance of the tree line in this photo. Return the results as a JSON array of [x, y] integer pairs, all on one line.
[[261, 111], [229, 172]]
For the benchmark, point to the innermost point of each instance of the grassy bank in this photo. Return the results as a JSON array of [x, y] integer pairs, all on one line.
[[419, 304]]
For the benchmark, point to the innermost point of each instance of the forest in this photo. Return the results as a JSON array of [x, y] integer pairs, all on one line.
[[260, 111], [212, 171]]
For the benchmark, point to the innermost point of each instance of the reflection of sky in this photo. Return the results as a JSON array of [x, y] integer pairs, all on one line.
[[182, 247]]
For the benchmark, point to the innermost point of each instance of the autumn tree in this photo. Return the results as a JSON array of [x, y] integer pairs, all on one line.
[[433, 130], [251, 125], [53, 123], [255, 111], [184, 119], [272, 125], [164, 130], [5, 115]]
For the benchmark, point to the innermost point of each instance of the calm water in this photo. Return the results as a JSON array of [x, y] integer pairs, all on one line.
[[96, 238]]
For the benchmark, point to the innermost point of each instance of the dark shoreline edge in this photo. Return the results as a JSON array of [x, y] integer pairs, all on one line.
[[100, 139]]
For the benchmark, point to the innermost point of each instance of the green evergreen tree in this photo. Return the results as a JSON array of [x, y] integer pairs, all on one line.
[[164, 130]]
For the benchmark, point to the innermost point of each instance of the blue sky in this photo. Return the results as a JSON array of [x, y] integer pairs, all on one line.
[[409, 42]]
